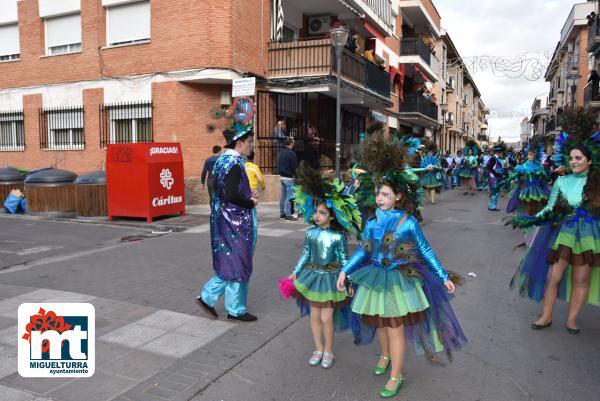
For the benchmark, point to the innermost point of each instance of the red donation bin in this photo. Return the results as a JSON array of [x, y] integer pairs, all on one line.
[[144, 180]]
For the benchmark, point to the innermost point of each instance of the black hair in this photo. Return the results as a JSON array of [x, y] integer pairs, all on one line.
[[251, 157], [334, 224], [216, 149], [229, 135], [288, 141]]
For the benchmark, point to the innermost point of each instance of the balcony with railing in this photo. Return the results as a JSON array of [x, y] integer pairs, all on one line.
[[411, 47], [594, 36], [313, 58], [415, 103], [591, 95], [449, 118], [379, 10]]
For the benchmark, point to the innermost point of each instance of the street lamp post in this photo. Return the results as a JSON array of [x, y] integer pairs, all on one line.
[[443, 144], [339, 37], [572, 81]]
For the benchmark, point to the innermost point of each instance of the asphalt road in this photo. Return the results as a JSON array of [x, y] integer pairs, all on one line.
[[504, 360]]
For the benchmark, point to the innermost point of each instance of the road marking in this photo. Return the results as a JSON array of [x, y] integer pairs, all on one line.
[[34, 250]]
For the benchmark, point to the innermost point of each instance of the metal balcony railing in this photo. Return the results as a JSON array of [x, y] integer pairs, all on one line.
[[594, 36], [383, 9], [415, 103], [591, 92], [308, 58], [416, 47]]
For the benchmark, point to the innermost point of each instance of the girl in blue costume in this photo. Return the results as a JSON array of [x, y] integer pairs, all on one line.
[[564, 258], [469, 167], [529, 182], [401, 287], [431, 179], [334, 215]]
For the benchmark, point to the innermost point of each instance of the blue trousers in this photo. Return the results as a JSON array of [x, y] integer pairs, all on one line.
[[493, 204], [236, 294], [287, 194]]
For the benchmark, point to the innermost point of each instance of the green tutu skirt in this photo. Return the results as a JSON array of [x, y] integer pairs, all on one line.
[[320, 287], [578, 242], [388, 293], [431, 180], [467, 172]]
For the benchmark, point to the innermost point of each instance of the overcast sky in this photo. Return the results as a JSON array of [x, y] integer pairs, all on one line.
[[510, 29]]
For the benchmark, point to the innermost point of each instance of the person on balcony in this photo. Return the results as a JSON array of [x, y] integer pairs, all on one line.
[[312, 148]]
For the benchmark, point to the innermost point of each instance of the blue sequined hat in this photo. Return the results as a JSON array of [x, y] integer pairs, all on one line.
[[242, 115]]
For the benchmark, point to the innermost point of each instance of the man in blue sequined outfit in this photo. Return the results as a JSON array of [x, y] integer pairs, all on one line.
[[233, 226]]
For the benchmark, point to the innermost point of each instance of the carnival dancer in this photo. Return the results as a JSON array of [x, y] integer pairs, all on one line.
[[563, 260], [469, 167], [233, 223], [458, 163], [335, 215], [529, 182], [483, 176], [448, 165], [495, 169], [401, 287], [431, 178]]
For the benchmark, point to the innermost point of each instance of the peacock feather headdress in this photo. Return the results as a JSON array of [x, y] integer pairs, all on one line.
[[566, 142], [537, 145], [312, 189], [471, 144], [385, 162], [242, 115]]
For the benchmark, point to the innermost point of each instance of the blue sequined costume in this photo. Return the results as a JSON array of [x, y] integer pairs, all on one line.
[[233, 232], [399, 281], [324, 253]]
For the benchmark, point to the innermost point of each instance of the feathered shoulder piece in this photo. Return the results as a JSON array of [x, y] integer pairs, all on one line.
[[471, 144], [557, 215], [385, 162], [312, 188]]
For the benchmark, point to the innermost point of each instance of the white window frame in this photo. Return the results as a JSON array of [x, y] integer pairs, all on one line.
[[12, 56], [71, 128], [13, 120], [131, 114], [69, 48], [128, 42]]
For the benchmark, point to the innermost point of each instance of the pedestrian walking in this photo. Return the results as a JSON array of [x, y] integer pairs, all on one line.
[[233, 228], [255, 177], [334, 216], [564, 258], [287, 163], [207, 174], [401, 287]]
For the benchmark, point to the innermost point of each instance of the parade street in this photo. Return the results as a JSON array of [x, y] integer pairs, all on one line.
[[154, 343]]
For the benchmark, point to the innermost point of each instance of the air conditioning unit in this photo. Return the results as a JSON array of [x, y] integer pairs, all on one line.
[[319, 25]]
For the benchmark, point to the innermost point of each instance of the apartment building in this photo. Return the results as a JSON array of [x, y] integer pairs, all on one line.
[[462, 113], [591, 97], [568, 70], [420, 68], [77, 75]]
